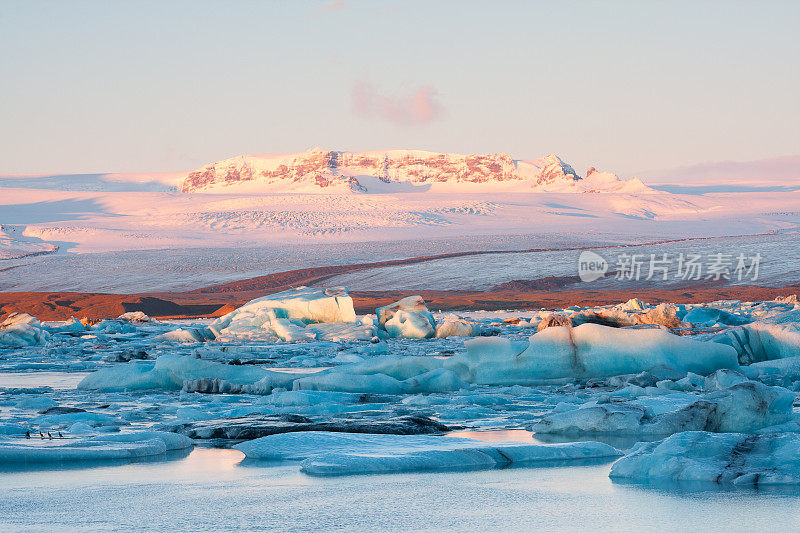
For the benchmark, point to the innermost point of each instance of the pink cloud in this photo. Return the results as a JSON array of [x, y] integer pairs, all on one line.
[[419, 108], [330, 7]]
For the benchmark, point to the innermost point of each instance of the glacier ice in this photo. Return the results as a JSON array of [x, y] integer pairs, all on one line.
[[585, 351], [102, 447], [304, 304], [699, 456], [742, 407], [21, 329], [407, 318], [170, 372], [327, 454], [589, 350]]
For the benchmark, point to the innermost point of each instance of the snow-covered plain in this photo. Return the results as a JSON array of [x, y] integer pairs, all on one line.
[[256, 215]]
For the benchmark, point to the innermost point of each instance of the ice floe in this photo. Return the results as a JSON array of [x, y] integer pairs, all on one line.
[[330, 454], [257, 426], [21, 329], [699, 456], [408, 318], [286, 313], [99, 448], [743, 407]]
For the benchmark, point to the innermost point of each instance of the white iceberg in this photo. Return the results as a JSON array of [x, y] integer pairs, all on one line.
[[134, 316], [588, 350], [456, 327], [21, 329], [408, 318], [285, 315], [699, 456], [331, 454]]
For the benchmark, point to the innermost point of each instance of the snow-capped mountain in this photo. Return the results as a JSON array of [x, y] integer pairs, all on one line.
[[320, 170]]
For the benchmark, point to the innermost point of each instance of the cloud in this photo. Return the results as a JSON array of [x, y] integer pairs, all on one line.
[[330, 7], [422, 107]]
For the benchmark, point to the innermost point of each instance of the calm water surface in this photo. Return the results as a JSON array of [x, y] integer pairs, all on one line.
[[211, 489]]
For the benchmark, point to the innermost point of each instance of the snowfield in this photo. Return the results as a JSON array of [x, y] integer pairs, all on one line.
[[264, 213]]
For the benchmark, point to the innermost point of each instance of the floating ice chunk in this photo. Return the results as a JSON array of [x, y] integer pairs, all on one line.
[[303, 397], [62, 420], [374, 348], [589, 350], [744, 407], [189, 335], [326, 454], [554, 320], [170, 372], [634, 304], [722, 379], [663, 314], [37, 403], [342, 331], [70, 326], [776, 337], [304, 304], [407, 318], [12, 429], [134, 316], [710, 316], [114, 326], [779, 336], [787, 369], [345, 382], [103, 447], [438, 380], [254, 426], [81, 428], [735, 458], [21, 329], [455, 327]]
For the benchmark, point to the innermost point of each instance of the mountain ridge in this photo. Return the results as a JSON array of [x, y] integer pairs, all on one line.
[[321, 170]]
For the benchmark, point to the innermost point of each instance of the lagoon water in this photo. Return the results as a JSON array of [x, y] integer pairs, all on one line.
[[212, 489]]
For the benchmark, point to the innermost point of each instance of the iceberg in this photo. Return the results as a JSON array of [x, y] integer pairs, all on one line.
[[743, 407], [306, 304], [455, 327], [257, 426], [134, 316], [700, 456], [286, 315], [408, 318], [170, 372], [70, 326], [777, 337], [103, 447], [21, 329], [331, 454], [588, 350]]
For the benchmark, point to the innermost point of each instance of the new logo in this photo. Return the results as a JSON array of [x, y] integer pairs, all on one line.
[[591, 266]]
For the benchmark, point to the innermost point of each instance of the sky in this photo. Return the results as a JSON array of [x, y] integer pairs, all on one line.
[[135, 86]]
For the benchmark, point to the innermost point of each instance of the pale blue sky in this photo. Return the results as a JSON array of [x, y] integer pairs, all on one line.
[[171, 85]]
